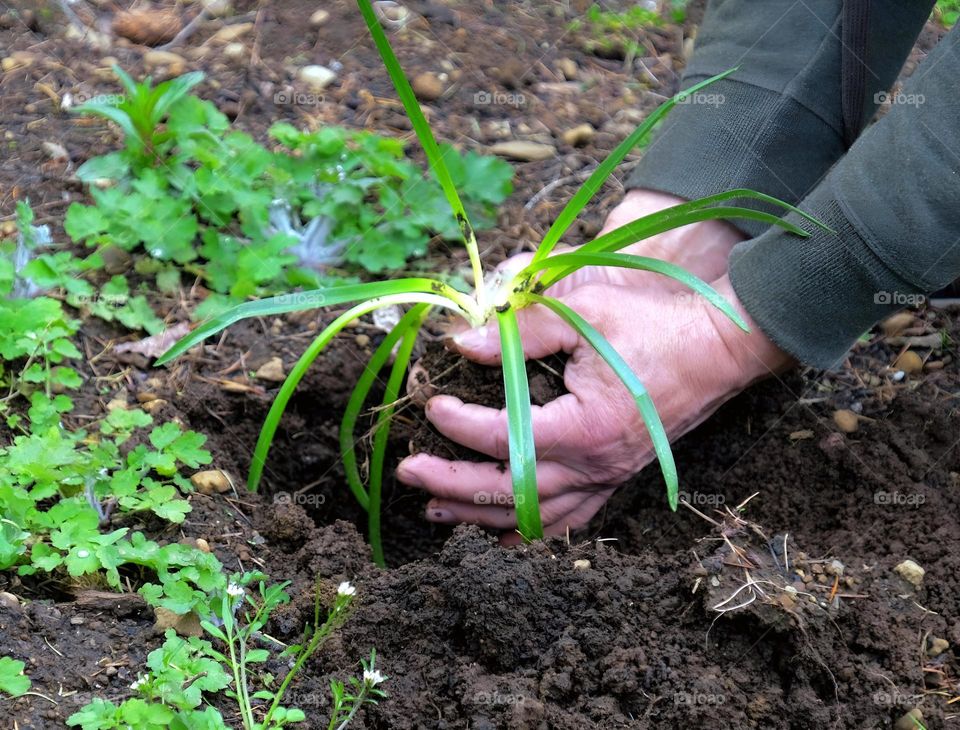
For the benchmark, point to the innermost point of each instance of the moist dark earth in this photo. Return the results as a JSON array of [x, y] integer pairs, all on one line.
[[643, 619]]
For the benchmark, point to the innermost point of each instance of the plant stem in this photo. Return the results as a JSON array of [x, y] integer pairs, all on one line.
[[382, 433], [357, 704], [245, 712], [306, 652], [243, 679]]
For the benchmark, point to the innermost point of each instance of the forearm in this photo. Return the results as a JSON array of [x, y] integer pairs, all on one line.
[[776, 126], [894, 204]]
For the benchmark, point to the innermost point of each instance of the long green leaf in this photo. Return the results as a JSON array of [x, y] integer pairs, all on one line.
[[593, 183], [570, 262], [661, 444], [117, 116], [170, 92], [129, 85], [523, 453], [359, 395], [279, 405], [691, 212], [312, 300], [425, 135], [381, 437]]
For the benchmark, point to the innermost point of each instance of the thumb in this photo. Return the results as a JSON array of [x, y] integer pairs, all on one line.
[[542, 333]]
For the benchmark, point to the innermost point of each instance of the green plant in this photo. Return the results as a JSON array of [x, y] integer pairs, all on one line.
[[252, 221], [616, 32], [12, 679], [363, 691], [497, 298], [183, 669], [27, 267], [63, 490], [140, 113], [949, 11]]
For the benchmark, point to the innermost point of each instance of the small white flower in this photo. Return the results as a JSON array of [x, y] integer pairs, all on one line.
[[372, 677], [141, 680], [234, 590], [345, 589]]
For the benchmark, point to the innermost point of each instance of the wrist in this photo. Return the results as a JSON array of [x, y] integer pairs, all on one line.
[[751, 356]]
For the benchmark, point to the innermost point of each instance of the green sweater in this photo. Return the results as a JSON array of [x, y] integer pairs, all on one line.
[[777, 126]]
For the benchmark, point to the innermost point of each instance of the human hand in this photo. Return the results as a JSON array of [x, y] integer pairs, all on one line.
[[592, 439]]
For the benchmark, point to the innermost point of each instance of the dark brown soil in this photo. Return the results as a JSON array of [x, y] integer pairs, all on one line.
[[474, 635]]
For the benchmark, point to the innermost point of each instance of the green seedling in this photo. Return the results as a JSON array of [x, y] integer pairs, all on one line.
[[183, 672], [363, 691], [496, 298], [141, 111]]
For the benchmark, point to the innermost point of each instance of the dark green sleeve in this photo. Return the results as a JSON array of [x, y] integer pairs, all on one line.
[[776, 126], [894, 202]]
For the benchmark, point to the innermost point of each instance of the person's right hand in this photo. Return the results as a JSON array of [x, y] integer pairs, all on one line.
[[600, 453]]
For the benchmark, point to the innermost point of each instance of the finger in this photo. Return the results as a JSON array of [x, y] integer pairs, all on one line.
[[419, 387], [460, 481], [541, 332], [578, 517], [557, 426], [489, 511]]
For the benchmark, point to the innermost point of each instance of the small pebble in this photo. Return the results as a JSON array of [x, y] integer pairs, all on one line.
[[234, 51], [567, 68], [230, 33], [427, 86], [581, 564], [579, 136], [936, 646], [211, 481], [910, 572], [834, 567], [909, 362], [362, 340], [846, 420], [896, 324], [155, 405], [523, 150], [319, 17], [271, 370], [55, 151], [175, 64], [317, 77]]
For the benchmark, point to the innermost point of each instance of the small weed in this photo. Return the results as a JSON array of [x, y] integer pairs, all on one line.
[[251, 221]]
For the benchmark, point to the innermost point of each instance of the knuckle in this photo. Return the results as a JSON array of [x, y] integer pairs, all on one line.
[[501, 438]]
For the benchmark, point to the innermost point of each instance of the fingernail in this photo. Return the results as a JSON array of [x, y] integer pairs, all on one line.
[[471, 339], [440, 515], [406, 475]]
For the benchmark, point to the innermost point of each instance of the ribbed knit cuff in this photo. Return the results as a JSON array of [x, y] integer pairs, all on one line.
[[736, 135], [815, 296]]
